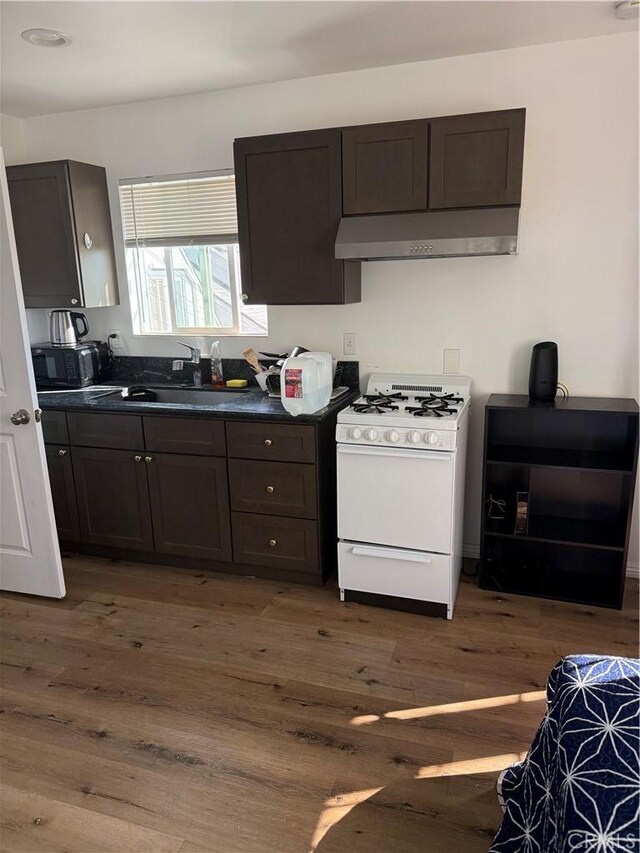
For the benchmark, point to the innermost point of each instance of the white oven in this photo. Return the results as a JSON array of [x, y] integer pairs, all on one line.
[[401, 454], [397, 497]]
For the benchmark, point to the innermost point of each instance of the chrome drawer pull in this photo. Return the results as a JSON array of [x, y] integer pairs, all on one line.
[[270, 489], [273, 543], [62, 453], [148, 459], [267, 442], [137, 458]]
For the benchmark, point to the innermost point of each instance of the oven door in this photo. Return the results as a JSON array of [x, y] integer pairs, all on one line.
[[394, 496]]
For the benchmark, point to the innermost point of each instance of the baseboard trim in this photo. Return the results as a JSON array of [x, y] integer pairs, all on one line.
[[472, 552]]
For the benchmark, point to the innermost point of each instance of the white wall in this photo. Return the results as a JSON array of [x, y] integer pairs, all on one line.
[[12, 139], [575, 279]]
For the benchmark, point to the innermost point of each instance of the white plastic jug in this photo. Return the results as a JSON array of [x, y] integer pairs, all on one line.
[[305, 382]]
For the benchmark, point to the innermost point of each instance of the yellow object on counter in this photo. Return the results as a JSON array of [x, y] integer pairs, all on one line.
[[236, 383]]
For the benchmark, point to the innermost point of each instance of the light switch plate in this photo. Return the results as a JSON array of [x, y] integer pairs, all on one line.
[[350, 343], [451, 361]]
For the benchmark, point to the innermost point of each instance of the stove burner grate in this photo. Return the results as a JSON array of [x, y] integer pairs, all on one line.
[[378, 404]]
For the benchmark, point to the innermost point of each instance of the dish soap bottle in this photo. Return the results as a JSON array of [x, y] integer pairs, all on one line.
[[216, 365]]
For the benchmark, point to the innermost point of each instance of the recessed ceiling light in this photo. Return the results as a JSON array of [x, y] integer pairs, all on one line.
[[46, 38], [627, 10]]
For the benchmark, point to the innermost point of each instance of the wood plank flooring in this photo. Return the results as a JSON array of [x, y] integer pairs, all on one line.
[[159, 709]]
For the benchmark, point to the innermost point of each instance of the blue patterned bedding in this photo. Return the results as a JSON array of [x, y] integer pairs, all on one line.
[[578, 790]]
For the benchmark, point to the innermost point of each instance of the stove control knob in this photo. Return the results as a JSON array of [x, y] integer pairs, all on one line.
[[431, 438], [371, 434], [413, 437], [393, 435], [356, 433]]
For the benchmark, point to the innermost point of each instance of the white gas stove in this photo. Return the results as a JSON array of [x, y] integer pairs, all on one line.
[[401, 469], [422, 412]]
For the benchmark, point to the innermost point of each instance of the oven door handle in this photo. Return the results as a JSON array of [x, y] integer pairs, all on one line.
[[391, 554], [397, 453]]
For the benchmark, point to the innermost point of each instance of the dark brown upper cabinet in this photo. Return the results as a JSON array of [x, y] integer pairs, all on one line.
[[63, 234], [289, 193], [476, 160], [384, 168]]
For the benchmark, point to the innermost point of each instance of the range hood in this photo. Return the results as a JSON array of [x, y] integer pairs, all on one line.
[[440, 234]]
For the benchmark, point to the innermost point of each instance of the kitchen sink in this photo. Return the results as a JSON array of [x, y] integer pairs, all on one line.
[[188, 396]]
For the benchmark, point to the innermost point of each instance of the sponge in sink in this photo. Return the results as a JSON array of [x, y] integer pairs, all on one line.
[[236, 383]]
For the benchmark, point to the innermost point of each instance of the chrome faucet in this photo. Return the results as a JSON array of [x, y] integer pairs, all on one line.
[[195, 353], [194, 360]]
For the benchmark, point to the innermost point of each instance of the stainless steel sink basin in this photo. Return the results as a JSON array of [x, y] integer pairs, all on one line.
[[188, 396]]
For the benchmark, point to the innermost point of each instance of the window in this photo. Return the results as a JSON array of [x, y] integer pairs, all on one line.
[[183, 263]]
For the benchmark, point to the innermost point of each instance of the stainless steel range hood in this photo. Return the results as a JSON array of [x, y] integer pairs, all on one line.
[[441, 234]]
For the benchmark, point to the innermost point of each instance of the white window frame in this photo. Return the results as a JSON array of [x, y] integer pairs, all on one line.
[[139, 297]]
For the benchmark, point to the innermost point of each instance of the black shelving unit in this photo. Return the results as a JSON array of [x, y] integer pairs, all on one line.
[[574, 464]]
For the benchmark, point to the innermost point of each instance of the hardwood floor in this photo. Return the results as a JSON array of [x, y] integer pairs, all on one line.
[[159, 709]]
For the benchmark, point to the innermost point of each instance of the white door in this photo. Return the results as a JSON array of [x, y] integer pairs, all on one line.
[[397, 497], [29, 551]]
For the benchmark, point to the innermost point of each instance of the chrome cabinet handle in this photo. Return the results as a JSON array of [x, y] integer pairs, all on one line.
[[270, 489], [244, 297], [20, 417], [74, 301], [148, 459], [267, 442], [62, 453], [273, 543], [137, 458], [86, 239]]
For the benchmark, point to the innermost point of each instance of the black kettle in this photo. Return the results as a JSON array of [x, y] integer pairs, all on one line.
[[63, 327]]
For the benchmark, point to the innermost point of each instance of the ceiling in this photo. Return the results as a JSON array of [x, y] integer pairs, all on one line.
[[133, 51]]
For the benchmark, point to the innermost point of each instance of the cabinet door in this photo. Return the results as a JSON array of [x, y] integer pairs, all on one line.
[[190, 505], [289, 192], [384, 167], [63, 491], [42, 220], [113, 498], [92, 220], [476, 160]]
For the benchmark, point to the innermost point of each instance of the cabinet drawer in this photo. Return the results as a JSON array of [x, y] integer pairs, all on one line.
[[204, 437], [100, 430], [290, 544], [280, 442], [273, 487], [396, 571], [54, 428]]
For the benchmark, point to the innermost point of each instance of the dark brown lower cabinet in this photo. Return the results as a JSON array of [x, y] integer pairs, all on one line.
[[63, 492], [127, 499], [287, 544], [113, 498], [190, 505]]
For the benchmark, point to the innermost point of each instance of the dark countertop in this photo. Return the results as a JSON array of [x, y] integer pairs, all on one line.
[[625, 405], [252, 404]]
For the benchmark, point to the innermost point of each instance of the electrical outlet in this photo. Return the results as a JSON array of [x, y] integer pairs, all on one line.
[[349, 343], [451, 361], [115, 340]]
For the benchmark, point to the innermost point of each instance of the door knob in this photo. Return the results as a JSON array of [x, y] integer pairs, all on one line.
[[86, 239], [244, 297], [22, 416]]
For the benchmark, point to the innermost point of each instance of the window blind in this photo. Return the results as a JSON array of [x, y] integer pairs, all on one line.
[[198, 210]]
